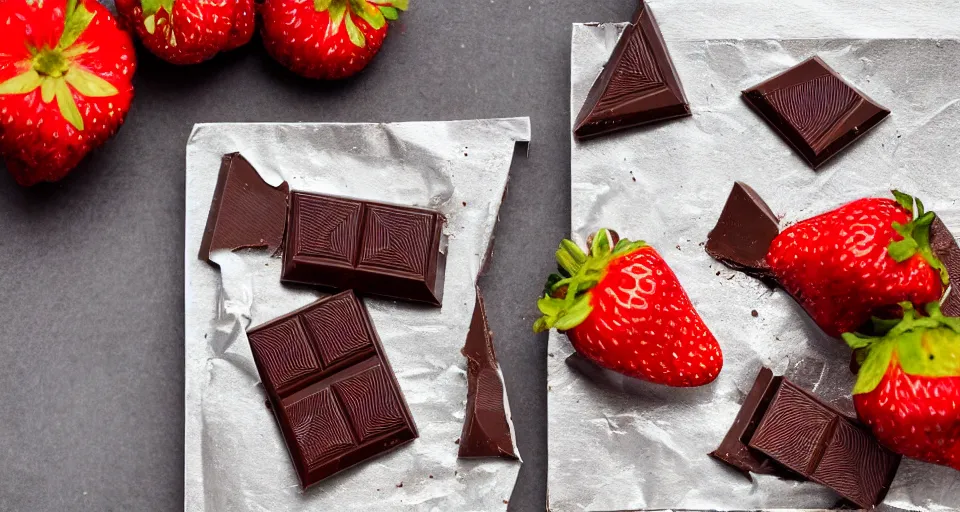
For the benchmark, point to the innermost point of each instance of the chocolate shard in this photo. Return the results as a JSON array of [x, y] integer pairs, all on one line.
[[744, 232], [330, 387], [245, 211], [945, 247], [815, 110], [487, 427], [638, 85], [373, 248]]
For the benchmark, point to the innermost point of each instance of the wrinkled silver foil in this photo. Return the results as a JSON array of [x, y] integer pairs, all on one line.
[[235, 456], [647, 448]]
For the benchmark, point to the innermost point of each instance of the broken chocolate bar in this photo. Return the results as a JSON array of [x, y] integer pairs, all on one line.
[[245, 211], [797, 431], [487, 427], [330, 387], [744, 232], [945, 247], [815, 110], [372, 248], [638, 85]]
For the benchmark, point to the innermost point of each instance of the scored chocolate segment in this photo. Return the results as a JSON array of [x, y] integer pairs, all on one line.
[[744, 232], [945, 247], [245, 211], [372, 248], [487, 425], [815, 110], [638, 85], [330, 387]]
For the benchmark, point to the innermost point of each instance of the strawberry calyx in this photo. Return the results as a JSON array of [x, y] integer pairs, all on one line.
[[55, 72], [375, 12], [924, 346], [566, 301], [916, 236], [150, 10]]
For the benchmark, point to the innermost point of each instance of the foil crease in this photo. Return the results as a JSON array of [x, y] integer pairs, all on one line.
[[667, 184], [235, 458]]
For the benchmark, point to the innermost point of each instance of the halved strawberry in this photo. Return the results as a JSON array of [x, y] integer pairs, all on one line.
[[65, 84], [623, 308]]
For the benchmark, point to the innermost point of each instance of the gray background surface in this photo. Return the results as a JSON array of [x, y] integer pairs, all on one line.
[[91, 280]]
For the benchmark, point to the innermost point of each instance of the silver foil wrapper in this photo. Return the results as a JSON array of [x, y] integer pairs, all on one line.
[[235, 457], [632, 447]]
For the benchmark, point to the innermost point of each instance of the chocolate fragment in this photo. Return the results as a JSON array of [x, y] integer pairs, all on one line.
[[815, 110], [638, 85], [744, 232], [945, 247], [330, 387], [245, 211], [800, 432], [487, 427], [373, 248]]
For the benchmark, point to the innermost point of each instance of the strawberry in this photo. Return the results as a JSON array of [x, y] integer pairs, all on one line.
[[622, 307], [326, 39], [65, 71], [859, 260], [908, 389], [189, 31]]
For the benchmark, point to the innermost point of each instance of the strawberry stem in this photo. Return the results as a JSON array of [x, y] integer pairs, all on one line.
[[916, 236]]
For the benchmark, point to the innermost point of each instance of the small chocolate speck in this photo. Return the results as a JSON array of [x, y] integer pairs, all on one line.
[[754, 313], [431, 476], [634, 179], [457, 441], [678, 247], [718, 272], [465, 154], [464, 203], [400, 485], [506, 502]]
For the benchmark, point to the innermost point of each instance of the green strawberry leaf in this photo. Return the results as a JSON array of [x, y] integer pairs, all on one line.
[[397, 4], [337, 11], [905, 200], [151, 7], [856, 340], [916, 236], [354, 33], [48, 89], [570, 257], [368, 13], [22, 83], [389, 13], [88, 84], [321, 5], [602, 244], [76, 19], [874, 367], [930, 352], [68, 107], [150, 23]]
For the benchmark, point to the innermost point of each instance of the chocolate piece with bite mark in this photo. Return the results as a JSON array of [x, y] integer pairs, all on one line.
[[744, 232], [245, 211], [487, 425]]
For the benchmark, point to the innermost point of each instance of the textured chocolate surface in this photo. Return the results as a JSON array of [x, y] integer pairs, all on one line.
[[815, 110], [487, 426], [638, 85], [372, 248], [245, 211], [330, 387], [744, 232], [812, 439], [945, 247]]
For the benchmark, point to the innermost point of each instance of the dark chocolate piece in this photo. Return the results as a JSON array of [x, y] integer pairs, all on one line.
[[372, 248], [816, 441], [945, 247], [734, 450], [638, 85], [744, 232], [487, 427], [245, 211], [330, 387], [815, 110]]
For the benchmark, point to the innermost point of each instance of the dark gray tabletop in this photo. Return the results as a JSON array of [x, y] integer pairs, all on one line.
[[91, 279]]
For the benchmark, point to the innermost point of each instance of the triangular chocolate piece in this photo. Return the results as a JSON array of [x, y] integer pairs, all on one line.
[[487, 427], [945, 247], [638, 85], [744, 232], [245, 212]]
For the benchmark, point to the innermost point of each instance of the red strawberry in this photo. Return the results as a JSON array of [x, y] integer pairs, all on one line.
[[623, 308], [189, 31], [326, 39], [65, 71], [859, 260], [908, 389]]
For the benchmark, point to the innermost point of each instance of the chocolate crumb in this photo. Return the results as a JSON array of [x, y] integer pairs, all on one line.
[[400, 485], [457, 441], [465, 154], [754, 313], [431, 476], [634, 179], [464, 203], [506, 502], [718, 272]]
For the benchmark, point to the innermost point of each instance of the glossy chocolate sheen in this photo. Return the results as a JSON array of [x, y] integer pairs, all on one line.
[[372, 248], [944, 245], [815, 110], [330, 387], [638, 85], [744, 232], [809, 437], [487, 427], [245, 211]]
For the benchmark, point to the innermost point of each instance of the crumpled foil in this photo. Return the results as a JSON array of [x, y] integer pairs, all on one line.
[[666, 184], [235, 456]]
